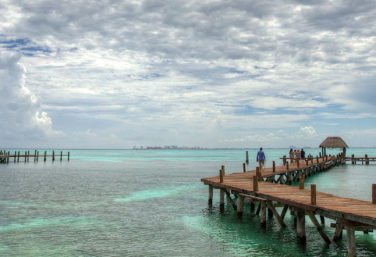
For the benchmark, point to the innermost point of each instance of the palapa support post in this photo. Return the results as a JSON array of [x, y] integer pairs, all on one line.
[[300, 226], [210, 200], [53, 155], [273, 166], [45, 156], [301, 181], [373, 193], [246, 157], [350, 233], [255, 183], [319, 155], [284, 160], [240, 206], [313, 194], [221, 199]]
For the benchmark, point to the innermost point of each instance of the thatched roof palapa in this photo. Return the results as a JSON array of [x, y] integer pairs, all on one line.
[[333, 142]]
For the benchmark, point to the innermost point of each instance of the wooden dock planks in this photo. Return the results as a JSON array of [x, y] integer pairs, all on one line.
[[332, 206]]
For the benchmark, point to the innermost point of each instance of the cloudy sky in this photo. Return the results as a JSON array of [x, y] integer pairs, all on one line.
[[123, 73]]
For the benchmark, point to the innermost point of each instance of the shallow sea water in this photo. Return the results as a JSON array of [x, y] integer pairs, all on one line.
[[152, 203]]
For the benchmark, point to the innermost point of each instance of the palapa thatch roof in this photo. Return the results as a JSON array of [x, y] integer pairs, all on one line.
[[334, 142]]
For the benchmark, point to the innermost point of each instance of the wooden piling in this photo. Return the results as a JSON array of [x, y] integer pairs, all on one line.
[[240, 205], [18, 156], [25, 156], [15, 157], [352, 159], [246, 157], [350, 233], [263, 214], [53, 155], [301, 181], [68, 156], [373, 193], [297, 163], [35, 155], [273, 166], [45, 156], [210, 200], [366, 159], [244, 170], [300, 226], [222, 199], [317, 159], [313, 194], [287, 165], [61, 155], [221, 175], [284, 160]]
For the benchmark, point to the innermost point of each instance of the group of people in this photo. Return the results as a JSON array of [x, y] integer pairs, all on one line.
[[297, 154]]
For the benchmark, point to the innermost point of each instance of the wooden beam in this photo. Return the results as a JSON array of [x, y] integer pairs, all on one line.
[[318, 227], [275, 213], [284, 210], [230, 199]]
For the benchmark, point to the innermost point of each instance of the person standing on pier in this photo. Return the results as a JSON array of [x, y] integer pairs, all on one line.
[[260, 158]]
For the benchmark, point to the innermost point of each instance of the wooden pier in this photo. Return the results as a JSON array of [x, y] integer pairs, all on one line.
[[269, 187], [361, 159], [26, 156]]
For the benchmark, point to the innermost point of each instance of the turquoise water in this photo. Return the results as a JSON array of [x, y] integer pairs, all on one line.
[[152, 203]]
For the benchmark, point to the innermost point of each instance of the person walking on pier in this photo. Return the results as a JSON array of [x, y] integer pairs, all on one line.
[[260, 158]]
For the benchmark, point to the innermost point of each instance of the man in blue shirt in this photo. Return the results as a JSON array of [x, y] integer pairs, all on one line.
[[260, 158]]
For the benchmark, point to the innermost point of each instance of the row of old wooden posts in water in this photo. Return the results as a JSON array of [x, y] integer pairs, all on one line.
[[269, 187], [18, 156]]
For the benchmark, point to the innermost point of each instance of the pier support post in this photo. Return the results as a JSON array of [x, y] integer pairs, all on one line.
[[25, 156], [61, 155], [15, 156], [300, 226], [18, 156], [273, 166], [338, 232], [366, 159], [45, 156], [252, 206], [68, 156], [350, 233], [263, 214], [246, 157], [210, 200], [240, 205], [284, 160], [222, 199], [53, 155], [244, 170]]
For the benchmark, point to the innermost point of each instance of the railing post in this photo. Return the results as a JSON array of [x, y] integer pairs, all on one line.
[[301, 181], [244, 167], [374, 193], [273, 166], [255, 183], [313, 194]]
